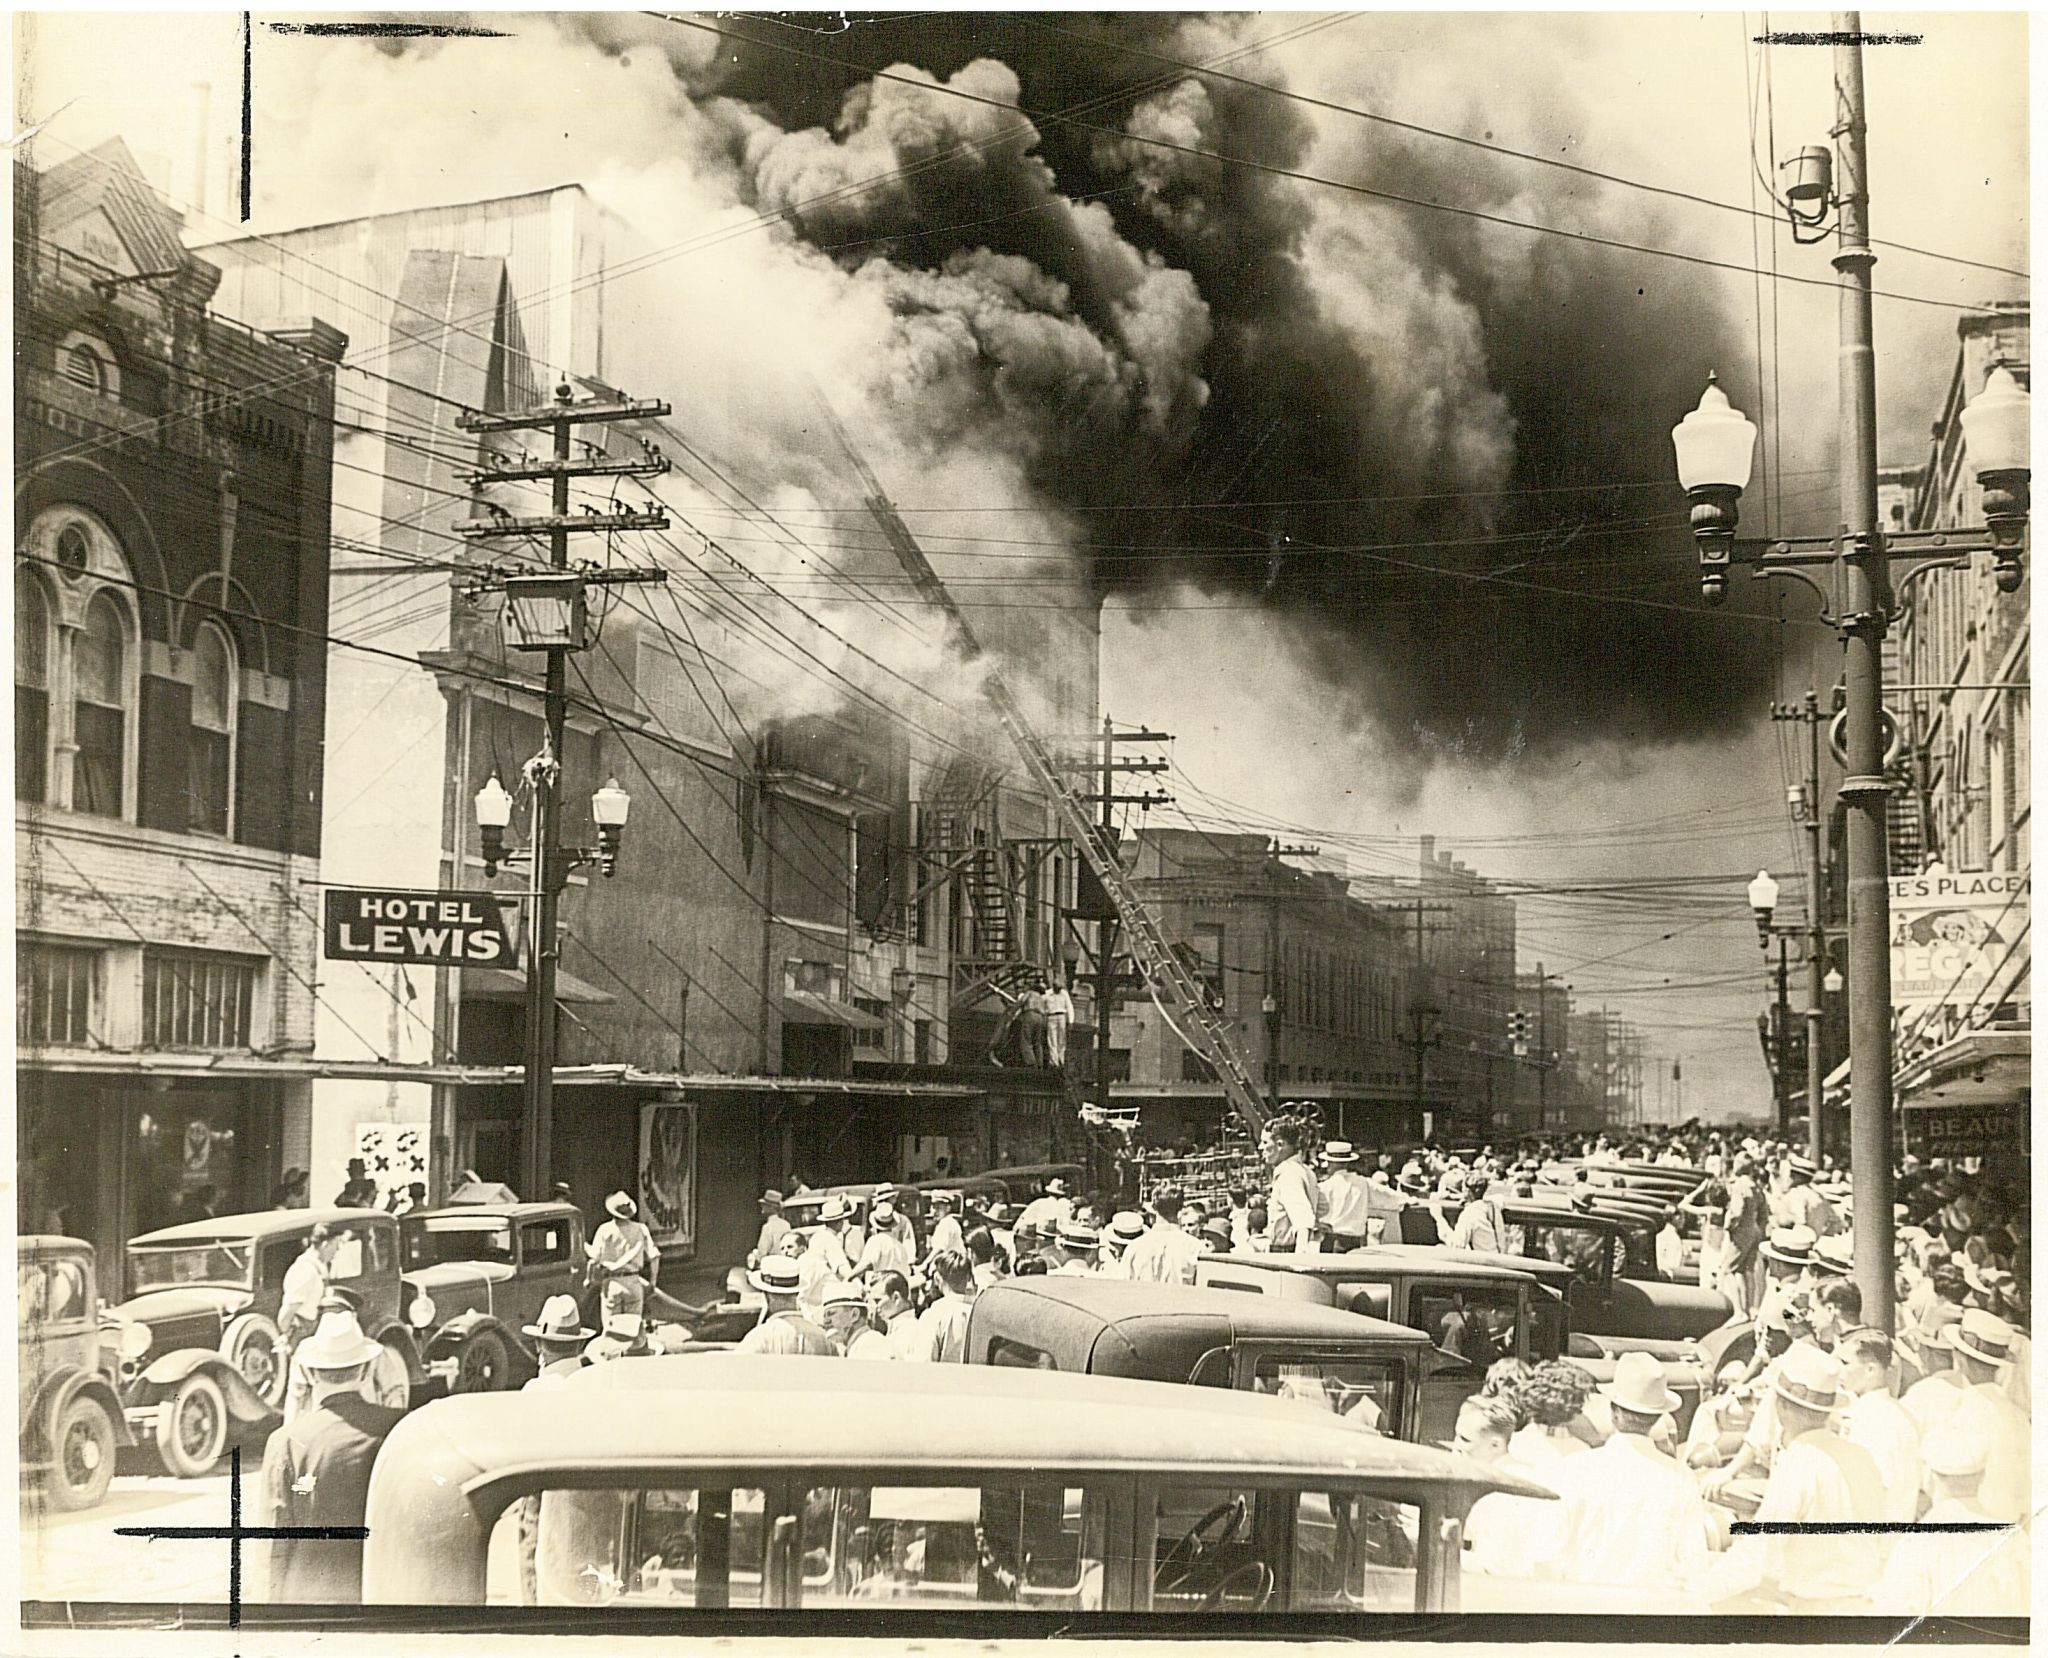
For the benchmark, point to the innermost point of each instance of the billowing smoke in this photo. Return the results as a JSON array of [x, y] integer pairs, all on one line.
[[1435, 446]]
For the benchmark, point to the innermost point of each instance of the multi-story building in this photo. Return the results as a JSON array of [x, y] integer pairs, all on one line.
[[170, 605], [824, 884], [1961, 665]]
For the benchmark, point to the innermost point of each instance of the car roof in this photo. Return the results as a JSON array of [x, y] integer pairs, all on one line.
[[1119, 1301], [262, 1223], [50, 1243], [513, 1211], [738, 1410], [1427, 1254], [1418, 1260], [1561, 1208]]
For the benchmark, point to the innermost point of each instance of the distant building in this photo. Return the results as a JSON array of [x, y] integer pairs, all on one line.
[[170, 601]]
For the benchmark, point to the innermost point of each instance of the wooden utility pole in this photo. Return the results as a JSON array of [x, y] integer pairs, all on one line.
[[549, 867]]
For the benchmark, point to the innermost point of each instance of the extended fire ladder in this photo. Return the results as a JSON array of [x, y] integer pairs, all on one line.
[[1180, 996]]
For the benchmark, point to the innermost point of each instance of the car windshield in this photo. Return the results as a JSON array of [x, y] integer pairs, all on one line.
[[1364, 1391], [449, 1238], [159, 1266], [1582, 1248]]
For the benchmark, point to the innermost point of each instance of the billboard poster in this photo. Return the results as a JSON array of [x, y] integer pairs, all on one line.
[[1953, 932], [668, 1173]]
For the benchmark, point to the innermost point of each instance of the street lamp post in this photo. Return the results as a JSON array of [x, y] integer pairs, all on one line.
[[1269, 1006], [549, 866], [1715, 446]]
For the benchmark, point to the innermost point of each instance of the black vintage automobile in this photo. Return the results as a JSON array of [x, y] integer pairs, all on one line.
[[476, 1275], [71, 1422], [198, 1340]]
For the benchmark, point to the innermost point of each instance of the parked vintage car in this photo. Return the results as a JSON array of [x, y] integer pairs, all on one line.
[[475, 1275], [71, 1421], [1365, 1369], [1615, 1289], [198, 1340], [729, 1481]]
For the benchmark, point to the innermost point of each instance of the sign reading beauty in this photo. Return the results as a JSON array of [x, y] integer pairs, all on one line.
[[429, 929], [1954, 931]]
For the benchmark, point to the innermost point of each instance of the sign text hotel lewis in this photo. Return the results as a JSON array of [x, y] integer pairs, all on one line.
[[429, 929]]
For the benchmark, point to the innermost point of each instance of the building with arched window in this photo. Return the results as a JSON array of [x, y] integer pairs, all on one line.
[[172, 477]]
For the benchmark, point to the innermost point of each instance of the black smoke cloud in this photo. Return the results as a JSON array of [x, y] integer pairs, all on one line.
[[1406, 431]]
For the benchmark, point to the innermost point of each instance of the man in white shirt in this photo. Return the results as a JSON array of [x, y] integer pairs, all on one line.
[[1878, 1422], [1126, 1229], [1982, 1347], [305, 1281], [773, 1228], [1295, 1210], [1168, 1252], [883, 1250], [946, 1233], [942, 1327], [1959, 1574], [783, 1328], [1800, 1205], [1629, 1515], [1059, 1014], [889, 1296], [1044, 1213], [1817, 1476], [1349, 1197], [825, 1254]]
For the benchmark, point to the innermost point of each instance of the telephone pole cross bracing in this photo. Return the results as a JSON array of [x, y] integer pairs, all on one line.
[[555, 624]]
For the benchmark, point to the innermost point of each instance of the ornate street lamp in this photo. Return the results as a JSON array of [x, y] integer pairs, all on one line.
[[1763, 899], [1716, 449], [608, 809], [493, 813]]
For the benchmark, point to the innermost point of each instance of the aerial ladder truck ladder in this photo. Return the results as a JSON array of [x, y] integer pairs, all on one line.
[[1181, 997]]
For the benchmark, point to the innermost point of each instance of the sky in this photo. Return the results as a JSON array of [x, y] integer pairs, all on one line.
[[1399, 354]]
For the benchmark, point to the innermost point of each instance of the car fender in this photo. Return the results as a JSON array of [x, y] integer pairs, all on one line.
[[450, 1337], [1667, 1311], [1735, 1340], [395, 1334], [244, 1402], [54, 1399]]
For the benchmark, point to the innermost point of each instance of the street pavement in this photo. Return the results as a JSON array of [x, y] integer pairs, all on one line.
[[79, 1556]]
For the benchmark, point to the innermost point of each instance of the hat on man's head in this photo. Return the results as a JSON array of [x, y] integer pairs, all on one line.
[[621, 1206], [778, 1275], [1127, 1225], [883, 1212], [771, 1199], [1639, 1386], [839, 1293], [945, 1200], [337, 1344], [834, 1208], [1076, 1234], [1791, 1245], [1338, 1154], [357, 1166], [559, 1321], [1412, 1179], [1810, 1377], [1836, 1254], [1802, 1165], [1056, 1187], [1982, 1336], [1956, 1446]]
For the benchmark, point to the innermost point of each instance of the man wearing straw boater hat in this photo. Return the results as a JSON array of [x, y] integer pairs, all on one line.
[[1073, 1252], [1629, 1514], [1981, 1345], [1348, 1195], [1120, 1239], [783, 1327], [1818, 1479], [316, 1468], [1801, 1203]]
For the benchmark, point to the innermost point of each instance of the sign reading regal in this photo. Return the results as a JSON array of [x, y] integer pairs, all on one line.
[[428, 929], [1954, 931]]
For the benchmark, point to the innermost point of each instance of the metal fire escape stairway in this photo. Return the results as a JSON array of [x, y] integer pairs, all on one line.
[[1175, 990]]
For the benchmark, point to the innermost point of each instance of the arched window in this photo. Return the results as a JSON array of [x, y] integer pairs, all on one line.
[[103, 701], [211, 771], [32, 655], [89, 362]]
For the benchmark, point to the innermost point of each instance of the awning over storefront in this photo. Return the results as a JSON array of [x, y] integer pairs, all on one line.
[[508, 984], [801, 1007], [1990, 1067]]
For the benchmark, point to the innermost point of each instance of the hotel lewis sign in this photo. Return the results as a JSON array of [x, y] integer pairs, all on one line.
[[429, 929]]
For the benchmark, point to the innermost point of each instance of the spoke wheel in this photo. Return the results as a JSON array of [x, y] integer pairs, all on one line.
[[192, 1431], [485, 1364], [83, 1464]]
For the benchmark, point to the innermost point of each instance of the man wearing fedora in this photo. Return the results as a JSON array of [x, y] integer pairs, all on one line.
[[1799, 1204], [1349, 1196], [1044, 1212], [784, 1328], [1818, 1477], [1168, 1252], [883, 1250], [622, 1332], [558, 1336], [622, 1250], [773, 1228], [1628, 1514], [316, 1468], [825, 1257]]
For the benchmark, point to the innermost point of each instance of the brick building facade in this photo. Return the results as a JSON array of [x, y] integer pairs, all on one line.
[[171, 517]]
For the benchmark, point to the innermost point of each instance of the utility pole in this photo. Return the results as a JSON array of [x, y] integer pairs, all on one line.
[[1108, 768], [554, 623], [1864, 789], [1807, 713]]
